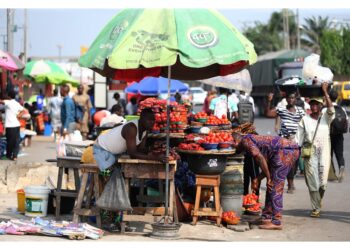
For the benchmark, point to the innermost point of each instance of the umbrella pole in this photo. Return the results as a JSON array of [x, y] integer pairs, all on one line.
[[167, 146]]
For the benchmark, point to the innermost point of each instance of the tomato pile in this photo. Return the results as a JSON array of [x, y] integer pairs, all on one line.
[[250, 202], [230, 217], [190, 146], [250, 199], [200, 115], [217, 137], [215, 121], [178, 115], [159, 147]]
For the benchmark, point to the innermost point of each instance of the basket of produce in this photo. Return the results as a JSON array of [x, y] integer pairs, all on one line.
[[195, 130], [230, 217], [209, 146], [225, 145], [250, 200]]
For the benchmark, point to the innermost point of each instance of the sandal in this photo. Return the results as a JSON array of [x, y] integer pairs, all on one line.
[[315, 214]]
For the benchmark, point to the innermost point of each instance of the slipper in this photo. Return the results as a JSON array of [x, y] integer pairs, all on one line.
[[270, 226]]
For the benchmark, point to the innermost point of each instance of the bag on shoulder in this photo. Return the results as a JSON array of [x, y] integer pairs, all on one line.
[[245, 111], [339, 124], [306, 151], [79, 113]]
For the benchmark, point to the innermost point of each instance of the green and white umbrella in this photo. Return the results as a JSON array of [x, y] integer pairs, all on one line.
[[48, 72], [196, 43]]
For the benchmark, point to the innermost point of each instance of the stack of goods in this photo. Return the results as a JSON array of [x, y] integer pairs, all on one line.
[[246, 128], [230, 217], [212, 141], [37, 225], [178, 115], [159, 147], [214, 123], [251, 204]]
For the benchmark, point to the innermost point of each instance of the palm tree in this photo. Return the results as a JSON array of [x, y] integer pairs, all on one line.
[[312, 31]]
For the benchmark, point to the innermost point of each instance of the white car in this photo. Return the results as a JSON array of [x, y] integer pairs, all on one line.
[[199, 95]]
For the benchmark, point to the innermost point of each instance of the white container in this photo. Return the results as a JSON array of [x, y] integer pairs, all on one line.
[[36, 200]]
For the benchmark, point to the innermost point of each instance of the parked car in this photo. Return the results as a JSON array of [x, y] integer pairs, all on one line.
[[199, 95]]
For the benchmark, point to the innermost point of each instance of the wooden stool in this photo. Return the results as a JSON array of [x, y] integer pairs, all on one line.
[[64, 164], [85, 191], [212, 181]]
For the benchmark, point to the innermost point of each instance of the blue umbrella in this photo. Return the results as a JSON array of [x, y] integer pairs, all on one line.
[[156, 86]]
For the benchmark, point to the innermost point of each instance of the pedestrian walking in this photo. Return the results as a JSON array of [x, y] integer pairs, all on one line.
[[54, 110], [13, 110], [83, 103], [339, 126], [276, 156], [67, 112], [313, 136]]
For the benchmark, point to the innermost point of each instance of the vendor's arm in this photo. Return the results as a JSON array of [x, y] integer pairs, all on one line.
[[250, 147], [142, 146], [129, 132], [269, 111]]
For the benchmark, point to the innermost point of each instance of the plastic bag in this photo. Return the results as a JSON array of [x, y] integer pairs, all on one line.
[[61, 147], [114, 196], [312, 69]]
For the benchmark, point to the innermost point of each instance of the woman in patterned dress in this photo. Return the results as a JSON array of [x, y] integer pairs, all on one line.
[[276, 156]]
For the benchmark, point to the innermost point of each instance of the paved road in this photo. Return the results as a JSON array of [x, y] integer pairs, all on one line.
[[334, 224]]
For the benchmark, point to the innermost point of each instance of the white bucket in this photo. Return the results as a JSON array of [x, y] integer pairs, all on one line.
[[36, 200]]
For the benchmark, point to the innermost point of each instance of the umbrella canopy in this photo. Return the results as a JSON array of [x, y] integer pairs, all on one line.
[[10, 62], [48, 72], [197, 43], [155, 86], [237, 81]]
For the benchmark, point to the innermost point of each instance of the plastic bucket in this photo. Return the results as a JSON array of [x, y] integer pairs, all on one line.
[[36, 200], [232, 179], [21, 207], [231, 203]]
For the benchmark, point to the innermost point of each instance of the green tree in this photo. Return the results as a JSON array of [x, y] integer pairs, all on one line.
[[312, 31], [331, 45], [269, 37]]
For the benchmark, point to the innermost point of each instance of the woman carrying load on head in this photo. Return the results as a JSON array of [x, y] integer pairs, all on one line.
[[276, 156], [318, 164]]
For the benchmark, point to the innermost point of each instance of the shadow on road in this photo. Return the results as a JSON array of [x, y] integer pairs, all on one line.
[[339, 216]]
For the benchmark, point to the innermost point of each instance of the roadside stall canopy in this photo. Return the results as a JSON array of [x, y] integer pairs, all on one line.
[[156, 85], [238, 81], [44, 71]]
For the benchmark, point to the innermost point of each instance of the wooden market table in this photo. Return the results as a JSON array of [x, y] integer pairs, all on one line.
[[149, 169], [65, 163]]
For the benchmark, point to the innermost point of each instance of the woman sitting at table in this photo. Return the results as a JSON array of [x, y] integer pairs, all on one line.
[[129, 138]]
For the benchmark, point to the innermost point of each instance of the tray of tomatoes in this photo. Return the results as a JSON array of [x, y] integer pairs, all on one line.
[[230, 217], [250, 200]]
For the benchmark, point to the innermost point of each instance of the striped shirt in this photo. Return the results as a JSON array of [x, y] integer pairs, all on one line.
[[289, 120]]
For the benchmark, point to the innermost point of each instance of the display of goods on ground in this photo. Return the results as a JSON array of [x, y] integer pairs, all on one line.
[[230, 217], [251, 204], [178, 115]]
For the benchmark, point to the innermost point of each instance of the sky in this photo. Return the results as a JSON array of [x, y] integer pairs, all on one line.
[[72, 28]]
